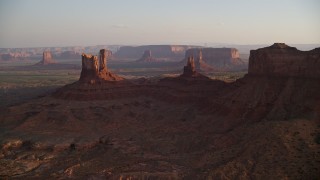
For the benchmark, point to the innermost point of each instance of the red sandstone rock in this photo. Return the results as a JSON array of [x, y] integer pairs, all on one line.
[[96, 71], [89, 70], [189, 71], [285, 61], [146, 57], [46, 59]]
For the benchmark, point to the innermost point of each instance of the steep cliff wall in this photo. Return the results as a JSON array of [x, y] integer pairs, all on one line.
[[283, 60]]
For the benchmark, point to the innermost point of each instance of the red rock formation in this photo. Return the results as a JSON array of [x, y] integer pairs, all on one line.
[[282, 83], [189, 71], [46, 59], [94, 71], [283, 60], [146, 57], [89, 70], [103, 60], [209, 59]]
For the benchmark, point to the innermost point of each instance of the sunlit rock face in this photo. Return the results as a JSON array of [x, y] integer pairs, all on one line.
[[90, 69], [285, 61], [95, 70], [46, 59]]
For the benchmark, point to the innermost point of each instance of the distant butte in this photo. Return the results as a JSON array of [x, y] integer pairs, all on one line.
[[147, 57], [46, 59], [189, 71]]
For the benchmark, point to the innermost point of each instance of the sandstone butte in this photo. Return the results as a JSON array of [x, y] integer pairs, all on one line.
[[189, 71], [95, 70], [46, 59], [147, 57]]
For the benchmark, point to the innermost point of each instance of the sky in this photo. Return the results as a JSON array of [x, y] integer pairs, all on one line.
[[50, 23]]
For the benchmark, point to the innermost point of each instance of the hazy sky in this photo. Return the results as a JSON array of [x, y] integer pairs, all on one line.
[[34, 23]]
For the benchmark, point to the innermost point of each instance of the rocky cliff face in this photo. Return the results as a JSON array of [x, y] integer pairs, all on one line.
[[104, 54], [208, 59], [285, 61], [46, 59], [96, 71], [90, 69], [146, 57], [189, 71], [190, 68]]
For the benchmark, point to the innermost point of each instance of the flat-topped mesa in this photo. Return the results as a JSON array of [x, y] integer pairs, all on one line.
[[282, 60], [94, 70], [46, 59]]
